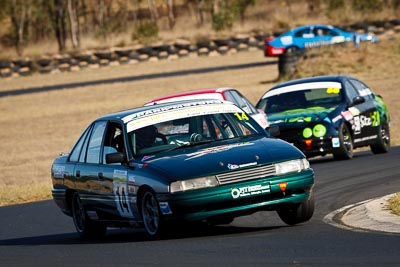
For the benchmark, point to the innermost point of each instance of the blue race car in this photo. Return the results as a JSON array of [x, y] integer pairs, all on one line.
[[312, 36]]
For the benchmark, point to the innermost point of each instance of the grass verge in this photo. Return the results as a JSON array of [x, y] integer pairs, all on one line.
[[394, 204]]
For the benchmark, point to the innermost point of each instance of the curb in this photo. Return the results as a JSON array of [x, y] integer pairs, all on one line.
[[372, 215]]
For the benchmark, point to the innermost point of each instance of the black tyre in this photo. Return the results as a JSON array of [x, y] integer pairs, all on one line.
[[345, 150], [151, 214], [296, 214], [382, 144], [84, 226]]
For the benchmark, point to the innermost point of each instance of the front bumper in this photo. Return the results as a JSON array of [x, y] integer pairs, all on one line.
[[260, 194]]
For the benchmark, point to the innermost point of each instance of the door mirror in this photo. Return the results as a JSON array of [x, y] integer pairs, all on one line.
[[357, 100], [273, 130], [116, 157]]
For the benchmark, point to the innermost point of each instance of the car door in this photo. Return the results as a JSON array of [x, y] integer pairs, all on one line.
[[363, 110], [88, 167], [370, 121], [113, 178], [304, 38]]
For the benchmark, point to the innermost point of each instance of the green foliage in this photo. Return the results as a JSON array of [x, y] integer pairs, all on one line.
[[335, 4], [367, 5], [146, 32], [223, 20]]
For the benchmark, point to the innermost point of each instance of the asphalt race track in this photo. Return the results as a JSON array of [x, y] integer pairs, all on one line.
[[38, 234]]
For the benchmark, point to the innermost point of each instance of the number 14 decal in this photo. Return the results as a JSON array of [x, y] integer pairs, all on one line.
[[241, 116]]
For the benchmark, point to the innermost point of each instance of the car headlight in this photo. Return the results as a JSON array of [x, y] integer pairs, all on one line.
[[319, 130], [191, 184], [291, 166]]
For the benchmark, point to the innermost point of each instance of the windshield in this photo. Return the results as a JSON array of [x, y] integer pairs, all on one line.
[[191, 131], [319, 98]]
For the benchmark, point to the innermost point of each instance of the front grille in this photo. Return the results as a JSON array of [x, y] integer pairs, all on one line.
[[246, 174]]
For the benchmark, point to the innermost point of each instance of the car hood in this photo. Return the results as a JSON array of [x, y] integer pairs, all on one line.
[[300, 117], [203, 160]]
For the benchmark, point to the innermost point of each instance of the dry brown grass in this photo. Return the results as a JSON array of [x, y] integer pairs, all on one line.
[[394, 204], [35, 128]]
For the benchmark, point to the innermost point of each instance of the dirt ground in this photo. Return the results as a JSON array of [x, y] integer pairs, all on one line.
[[35, 128]]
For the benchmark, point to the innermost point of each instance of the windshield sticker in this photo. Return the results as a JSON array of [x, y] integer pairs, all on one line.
[[236, 166], [250, 190], [216, 149], [151, 117], [302, 86]]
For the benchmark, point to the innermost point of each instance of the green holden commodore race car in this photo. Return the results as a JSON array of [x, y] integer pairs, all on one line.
[[195, 160], [328, 114]]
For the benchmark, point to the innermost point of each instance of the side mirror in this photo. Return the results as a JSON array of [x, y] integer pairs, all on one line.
[[357, 100], [116, 157], [273, 130]]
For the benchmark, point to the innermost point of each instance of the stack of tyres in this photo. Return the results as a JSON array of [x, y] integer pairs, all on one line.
[[5, 68], [287, 64]]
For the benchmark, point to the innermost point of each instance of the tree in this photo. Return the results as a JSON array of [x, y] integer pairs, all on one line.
[[171, 16], [20, 12], [56, 11], [74, 23]]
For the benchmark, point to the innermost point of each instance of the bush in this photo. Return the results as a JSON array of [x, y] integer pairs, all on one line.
[[146, 32]]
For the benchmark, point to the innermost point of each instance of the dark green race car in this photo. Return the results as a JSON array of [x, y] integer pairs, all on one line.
[[328, 114], [203, 160]]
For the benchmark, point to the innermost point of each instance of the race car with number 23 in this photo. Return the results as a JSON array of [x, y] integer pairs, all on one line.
[[328, 114], [195, 160]]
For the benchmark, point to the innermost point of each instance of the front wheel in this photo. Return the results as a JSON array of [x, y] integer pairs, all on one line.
[[345, 150], [382, 144], [84, 226], [151, 214], [295, 214]]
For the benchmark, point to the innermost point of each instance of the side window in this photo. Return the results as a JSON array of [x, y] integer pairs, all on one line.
[[242, 102], [76, 151], [113, 141], [351, 92], [362, 89], [93, 151]]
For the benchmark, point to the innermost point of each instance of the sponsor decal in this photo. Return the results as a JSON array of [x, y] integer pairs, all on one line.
[[236, 166], [164, 207], [364, 121], [58, 171], [131, 179], [347, 115], [147, 157], [250, 190], [217, 149], [287, 40], [334, 120], [335, 142], [354, 111], [357, 140]]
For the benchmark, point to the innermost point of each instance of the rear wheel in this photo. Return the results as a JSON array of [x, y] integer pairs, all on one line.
[[84, 226], [382, 144], [151, 214], [345, 150], [295, 214]]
